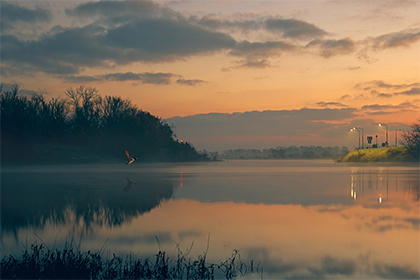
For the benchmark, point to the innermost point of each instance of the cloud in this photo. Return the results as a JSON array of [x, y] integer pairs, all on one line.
[[381, 84], [249, 63], [329, 48], [115, 33], [190, 82], [412, 91], [11, 14], [214, 22], [256, 54], [165, 40], [142, 41], [383, 109], [145, 78], [396, 272], [334, 266], [287, 28], [115, 9], [330, 104], [292, 28], [381, 89], [260, 49], [394, 40], [61, 53]]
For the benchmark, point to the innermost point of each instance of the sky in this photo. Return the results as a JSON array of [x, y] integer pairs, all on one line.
[[229, 74]]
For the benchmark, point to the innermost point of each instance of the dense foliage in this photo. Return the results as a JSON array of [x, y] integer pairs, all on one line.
[[292, 152], [83, 126], [412, 140]]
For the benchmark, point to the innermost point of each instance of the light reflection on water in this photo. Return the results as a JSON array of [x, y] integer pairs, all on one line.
[[299, 219]]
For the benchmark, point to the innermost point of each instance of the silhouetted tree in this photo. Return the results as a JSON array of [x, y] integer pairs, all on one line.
[[107, 125], [412, 140]]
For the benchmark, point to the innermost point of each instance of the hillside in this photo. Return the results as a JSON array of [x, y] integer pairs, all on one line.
[[389, 154]]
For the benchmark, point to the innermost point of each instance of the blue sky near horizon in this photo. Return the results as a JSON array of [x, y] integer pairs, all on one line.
[[319, 66]]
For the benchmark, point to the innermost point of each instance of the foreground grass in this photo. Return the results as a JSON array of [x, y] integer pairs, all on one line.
[[69, 263], [389, 154]]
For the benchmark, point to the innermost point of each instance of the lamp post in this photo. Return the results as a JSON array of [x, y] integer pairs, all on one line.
[[396, 133], [358, 130], [386, 126]]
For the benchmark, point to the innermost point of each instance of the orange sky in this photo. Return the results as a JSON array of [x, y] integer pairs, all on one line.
[[181, 58]]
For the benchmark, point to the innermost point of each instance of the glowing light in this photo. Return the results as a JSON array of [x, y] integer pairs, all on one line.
[[380, 199]]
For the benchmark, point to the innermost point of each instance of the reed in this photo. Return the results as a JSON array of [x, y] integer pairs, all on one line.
[[40, 262]]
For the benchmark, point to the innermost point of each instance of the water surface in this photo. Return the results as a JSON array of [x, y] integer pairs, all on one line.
[[297, 218]]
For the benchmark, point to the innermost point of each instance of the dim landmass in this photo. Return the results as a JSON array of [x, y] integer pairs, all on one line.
[[280, 152], [84, 127]]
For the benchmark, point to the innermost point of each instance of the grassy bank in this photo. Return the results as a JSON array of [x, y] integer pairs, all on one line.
[[389, 154], [69, 263]]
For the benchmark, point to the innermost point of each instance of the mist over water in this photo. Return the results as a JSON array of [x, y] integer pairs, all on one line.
[[296, 218]]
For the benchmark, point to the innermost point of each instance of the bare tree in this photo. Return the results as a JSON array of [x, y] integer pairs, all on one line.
[[412, 140]]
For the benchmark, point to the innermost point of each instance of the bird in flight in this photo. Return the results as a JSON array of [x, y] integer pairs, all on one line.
[[130, 159]]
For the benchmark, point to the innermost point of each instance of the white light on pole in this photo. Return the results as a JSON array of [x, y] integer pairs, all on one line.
[[354, 129], [358, 129], [386, 126]]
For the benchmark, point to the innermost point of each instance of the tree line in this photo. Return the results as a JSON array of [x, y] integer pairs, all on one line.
[[83, 122], [291, 152]]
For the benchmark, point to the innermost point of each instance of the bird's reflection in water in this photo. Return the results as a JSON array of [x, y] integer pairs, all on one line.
[[129, 183]]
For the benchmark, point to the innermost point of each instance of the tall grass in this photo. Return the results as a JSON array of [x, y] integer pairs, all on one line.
[[39, 262]]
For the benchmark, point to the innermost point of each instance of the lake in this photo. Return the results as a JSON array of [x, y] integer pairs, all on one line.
[[295, 218]]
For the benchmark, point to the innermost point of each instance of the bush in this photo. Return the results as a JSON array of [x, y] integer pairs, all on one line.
[[69, 263]]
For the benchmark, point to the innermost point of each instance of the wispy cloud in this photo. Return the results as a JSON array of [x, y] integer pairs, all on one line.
[[384, 109], [190, 82], [412, 91], [292, 28], [330, 104], [382, 89], [329, 48], [399, 39], [144, 78]]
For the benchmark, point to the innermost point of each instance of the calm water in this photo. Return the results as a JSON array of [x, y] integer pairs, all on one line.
[[298, 219]]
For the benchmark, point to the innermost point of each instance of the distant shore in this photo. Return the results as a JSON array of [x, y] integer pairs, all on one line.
[[388, 154]]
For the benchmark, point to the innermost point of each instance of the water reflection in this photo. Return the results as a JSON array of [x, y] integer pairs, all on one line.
[[84, 200], [129, 183], [383, 186], [309, 220]]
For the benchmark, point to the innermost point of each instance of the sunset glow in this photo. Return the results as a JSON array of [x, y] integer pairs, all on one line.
[[183, 58]]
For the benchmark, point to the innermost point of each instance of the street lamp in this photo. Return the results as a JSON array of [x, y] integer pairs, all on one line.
[[358, 129], [396, 133], [359, 135], [386, 126]]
